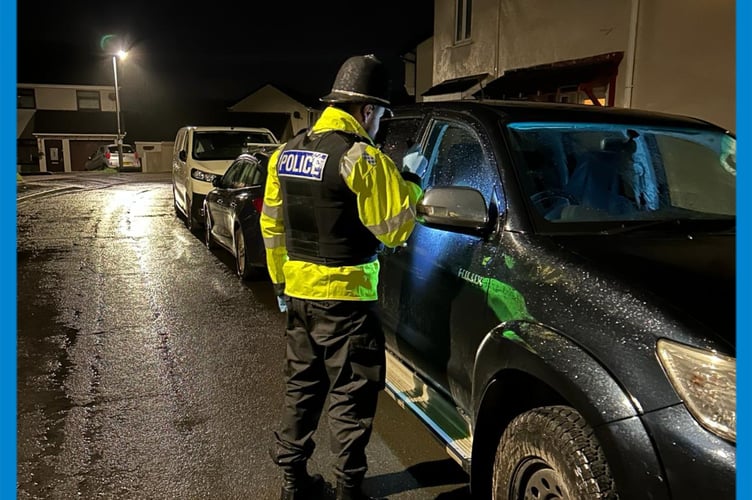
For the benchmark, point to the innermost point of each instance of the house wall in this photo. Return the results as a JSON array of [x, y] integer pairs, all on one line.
[[410, 76], [542, 31], [686, 59], [55, 98], [269, 99], [64, 98], [684, 50], [155, 156], [466, 58], [23, 117], [70, 144], [423, 68]]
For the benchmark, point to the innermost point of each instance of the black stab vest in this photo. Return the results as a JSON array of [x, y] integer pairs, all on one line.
[[321, 214]]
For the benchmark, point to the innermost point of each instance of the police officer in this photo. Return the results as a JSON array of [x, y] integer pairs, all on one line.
[[331, 200]]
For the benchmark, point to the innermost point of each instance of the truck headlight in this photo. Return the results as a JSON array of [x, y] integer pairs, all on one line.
[[706, 381], [202, 176]]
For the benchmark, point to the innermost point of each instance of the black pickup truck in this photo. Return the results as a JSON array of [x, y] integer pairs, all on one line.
[[563, 317]]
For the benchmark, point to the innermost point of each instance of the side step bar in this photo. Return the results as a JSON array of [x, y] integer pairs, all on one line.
[[438, 414]]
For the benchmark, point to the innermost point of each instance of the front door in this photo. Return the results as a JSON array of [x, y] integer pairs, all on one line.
[[439, 313], [53, 151]]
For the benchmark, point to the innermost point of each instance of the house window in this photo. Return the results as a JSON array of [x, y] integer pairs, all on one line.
[[88, 99], [463, 16], [26, 99]]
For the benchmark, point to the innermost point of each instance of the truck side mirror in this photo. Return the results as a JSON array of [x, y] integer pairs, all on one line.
[[460, 209]]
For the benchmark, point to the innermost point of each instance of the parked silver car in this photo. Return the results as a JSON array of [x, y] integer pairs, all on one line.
[[107, 157]]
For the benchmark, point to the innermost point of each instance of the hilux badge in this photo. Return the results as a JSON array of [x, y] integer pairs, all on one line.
[[473, 278]]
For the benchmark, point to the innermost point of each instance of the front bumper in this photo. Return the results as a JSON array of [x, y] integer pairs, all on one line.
[[200, 187], [666, 454], [697, 463], [197, 208]]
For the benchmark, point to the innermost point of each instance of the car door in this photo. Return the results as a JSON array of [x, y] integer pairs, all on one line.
[[399, 138], [440, 309]]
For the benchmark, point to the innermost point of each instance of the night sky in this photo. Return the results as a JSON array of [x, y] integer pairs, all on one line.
[[211, 54]]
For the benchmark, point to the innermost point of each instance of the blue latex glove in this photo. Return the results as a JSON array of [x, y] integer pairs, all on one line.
[[414, 161], [281, 303], [279, 291]]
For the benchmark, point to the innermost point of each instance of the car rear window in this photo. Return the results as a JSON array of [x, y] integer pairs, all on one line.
[[245, 172]]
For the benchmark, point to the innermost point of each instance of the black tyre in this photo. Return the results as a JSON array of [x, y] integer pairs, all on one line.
[[243, 265], [207, 233], [241, 256], [551, 453]]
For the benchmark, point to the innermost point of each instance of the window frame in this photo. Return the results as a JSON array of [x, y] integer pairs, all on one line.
[[463, 10], [435, 133], [23, 95], [88, 96], [397, 153]]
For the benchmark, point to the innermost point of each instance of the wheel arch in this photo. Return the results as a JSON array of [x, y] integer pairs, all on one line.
[[521, 366]]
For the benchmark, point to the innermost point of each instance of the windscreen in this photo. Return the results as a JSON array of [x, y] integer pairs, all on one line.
[[226, 145], [594, 172]]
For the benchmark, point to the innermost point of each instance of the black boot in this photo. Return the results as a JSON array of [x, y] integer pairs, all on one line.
[[347, 492], [299, 485]]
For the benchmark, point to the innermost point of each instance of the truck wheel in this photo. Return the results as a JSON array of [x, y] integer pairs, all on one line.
[[551, 453]]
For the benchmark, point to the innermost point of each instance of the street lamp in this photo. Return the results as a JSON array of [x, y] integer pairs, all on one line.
[[122, 55]]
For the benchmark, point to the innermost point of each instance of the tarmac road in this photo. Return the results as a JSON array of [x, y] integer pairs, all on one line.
[[146, 369]]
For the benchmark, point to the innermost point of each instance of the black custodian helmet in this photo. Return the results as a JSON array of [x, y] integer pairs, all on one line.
[[361, 79]]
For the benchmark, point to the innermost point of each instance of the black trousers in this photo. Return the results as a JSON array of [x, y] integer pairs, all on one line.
[[334, 348]]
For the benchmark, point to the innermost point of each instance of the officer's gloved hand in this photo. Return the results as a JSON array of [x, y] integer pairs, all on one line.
[[279, 291], [414, 165]]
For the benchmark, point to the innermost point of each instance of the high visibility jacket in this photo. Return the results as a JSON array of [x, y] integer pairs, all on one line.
[[385, 204], [322, 224]]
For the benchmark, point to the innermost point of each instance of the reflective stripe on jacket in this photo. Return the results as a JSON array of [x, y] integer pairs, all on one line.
[[386, 206]]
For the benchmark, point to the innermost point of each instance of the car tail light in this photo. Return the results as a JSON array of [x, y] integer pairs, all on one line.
[[258, 204], [107, 155]]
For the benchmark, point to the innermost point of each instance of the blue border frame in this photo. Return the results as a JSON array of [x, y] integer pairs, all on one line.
[[8, 245], [8, 147], [743, 269]]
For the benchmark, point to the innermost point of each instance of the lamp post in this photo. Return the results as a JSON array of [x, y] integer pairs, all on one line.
[[122, 55]]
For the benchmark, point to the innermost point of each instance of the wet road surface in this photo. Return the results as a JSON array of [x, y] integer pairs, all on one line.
[[146, 369]]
